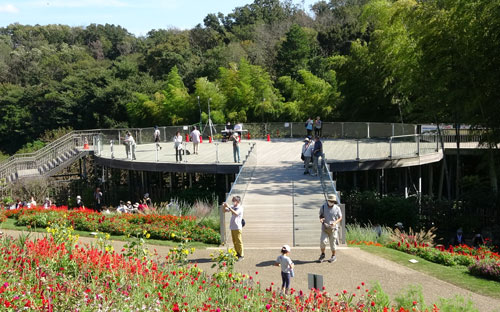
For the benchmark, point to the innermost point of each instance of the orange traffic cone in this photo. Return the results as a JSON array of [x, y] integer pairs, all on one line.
[[209, 139], [85, 143], [268, 137]]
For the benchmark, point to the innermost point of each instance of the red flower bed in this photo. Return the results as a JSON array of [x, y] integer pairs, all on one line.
[[44, 276], [159, 226]]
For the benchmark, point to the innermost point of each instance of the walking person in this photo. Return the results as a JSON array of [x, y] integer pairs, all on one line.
[[98, 199], [287, 265], [157, 137], [330, 216], [195, 137], [236, 147], [307, 149], [309, 126], [236, 224], [316, 154], [317, 126], [178, 146]]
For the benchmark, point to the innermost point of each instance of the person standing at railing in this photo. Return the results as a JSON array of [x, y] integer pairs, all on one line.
[[316, 154], [178, 146], [317, 126], [157, 136], [307, 149], [309, 126], [129, 145], [195, 138], [236, 224], [236, 147]]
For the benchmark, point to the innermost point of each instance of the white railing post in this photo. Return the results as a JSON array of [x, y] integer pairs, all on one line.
[[418, 144], [342, 131], [367, 130], [217, 152], [392, 125], [357, 149], [112, 149], [157, 157], [390, 147]]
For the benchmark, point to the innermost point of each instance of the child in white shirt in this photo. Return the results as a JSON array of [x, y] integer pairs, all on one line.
[[286, 268]]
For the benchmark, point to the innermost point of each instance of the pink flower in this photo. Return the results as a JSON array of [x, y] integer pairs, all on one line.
[[268, 306]]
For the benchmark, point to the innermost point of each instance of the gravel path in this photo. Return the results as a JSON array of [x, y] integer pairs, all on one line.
[[352, 267]]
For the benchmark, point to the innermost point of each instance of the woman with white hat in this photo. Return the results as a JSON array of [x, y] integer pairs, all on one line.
[[330, 216]]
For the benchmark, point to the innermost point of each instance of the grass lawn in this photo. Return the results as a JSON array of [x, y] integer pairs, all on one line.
[[457, 275], [9, 225]]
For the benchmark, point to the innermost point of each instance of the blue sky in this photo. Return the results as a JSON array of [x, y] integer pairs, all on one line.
[[136, 16]]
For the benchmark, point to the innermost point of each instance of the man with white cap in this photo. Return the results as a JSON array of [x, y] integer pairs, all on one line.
[[307, 149], [330, 216]]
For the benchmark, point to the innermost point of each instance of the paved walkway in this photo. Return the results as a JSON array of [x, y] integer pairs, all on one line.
[[281, 203], [353, 267]]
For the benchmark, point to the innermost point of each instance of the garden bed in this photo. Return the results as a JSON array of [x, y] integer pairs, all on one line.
[[55, 274], [162, 227]]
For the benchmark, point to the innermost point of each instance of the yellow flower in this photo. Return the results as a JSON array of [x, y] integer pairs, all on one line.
[[148, 235], [192, 250], [173, 235], [108, 236]]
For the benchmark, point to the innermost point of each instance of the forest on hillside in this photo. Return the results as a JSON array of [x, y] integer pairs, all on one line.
[[350, 60]]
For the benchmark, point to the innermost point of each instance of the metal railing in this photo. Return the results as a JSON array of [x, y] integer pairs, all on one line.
[[54, 152], [329, 187], [240, 186], [393, 133], [401, 146]]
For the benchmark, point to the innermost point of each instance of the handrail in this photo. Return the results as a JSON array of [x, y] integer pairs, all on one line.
[[29, 161], [240, 185], [326, 171]]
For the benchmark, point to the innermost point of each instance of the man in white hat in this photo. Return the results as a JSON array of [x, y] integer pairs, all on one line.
[[330, 216], [307, 149]]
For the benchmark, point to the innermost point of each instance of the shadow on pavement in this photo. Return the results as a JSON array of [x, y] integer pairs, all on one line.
[[265, 263], [299, 262]]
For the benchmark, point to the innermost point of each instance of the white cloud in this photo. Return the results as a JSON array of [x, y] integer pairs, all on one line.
[[78, 3], [8, 8]]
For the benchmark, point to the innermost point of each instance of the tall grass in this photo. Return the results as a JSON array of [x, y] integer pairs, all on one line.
[[206, 212], [368, 233]]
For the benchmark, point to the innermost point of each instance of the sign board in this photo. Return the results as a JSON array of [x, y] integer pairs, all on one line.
[[287, 124], [314, 281], [185, 128]]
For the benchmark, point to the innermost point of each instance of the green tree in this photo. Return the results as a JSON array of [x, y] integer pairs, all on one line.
[[294, 52]]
